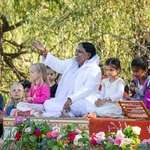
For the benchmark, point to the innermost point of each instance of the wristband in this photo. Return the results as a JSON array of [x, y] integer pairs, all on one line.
[[43, 52]]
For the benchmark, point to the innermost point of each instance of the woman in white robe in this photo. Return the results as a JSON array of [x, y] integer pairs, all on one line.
[[77, 89]]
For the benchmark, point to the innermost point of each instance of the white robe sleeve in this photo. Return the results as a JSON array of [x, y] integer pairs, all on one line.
[[91, 83], [55, 63]]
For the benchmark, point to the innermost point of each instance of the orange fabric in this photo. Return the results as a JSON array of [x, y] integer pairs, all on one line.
[[126, 95], [112, 125]]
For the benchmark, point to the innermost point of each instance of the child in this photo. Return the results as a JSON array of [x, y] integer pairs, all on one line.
[[26, 85], [142, 79], [16, 96], [112, 91], [51, 74], [39, 91]]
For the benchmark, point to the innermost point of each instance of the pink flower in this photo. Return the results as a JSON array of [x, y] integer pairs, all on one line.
[[56, 128], [145, 141], [100, 136], [59, 137], [118, 141], [18, 120], [72, 135], [93, 135], [119, 134], [93, 142], [78, 131], [110, 139], [54, 134], [37, 133], [49, 134]]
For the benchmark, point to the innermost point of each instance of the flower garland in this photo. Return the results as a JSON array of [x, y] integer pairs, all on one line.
[[47, 135]]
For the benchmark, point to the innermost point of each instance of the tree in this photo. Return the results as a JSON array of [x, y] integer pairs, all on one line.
[[117, 28]]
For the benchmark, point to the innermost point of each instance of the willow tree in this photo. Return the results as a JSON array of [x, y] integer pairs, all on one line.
[[118, 28]]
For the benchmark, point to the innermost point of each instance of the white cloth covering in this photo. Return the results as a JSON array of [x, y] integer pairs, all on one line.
[[22, 106], [77, 83], [113, 90]]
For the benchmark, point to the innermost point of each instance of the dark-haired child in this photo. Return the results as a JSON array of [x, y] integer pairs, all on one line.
[[51, 75], [142, 79], [112, 91], [26, 85]]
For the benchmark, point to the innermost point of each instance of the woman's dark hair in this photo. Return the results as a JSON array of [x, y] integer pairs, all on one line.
[[141, 63], [89, 47], [113, 62]]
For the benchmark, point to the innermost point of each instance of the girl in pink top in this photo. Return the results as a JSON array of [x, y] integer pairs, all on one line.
[[40, 90], [38, 94]]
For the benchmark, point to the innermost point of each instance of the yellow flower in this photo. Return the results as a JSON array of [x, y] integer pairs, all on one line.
[[43, 135], [22, 125]]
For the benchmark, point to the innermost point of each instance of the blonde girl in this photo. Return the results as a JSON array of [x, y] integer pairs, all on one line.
[[16, 96], [40, 90]]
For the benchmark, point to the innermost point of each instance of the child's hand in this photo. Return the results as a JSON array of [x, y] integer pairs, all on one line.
[[29, 100], [98, 102]]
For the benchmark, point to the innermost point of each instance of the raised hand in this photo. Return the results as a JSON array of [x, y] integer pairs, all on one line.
[[38, 45]]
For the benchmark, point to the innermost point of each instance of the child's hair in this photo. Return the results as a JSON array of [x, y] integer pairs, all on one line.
[[25, 83], [58, 77], [126, 89], [11, 102], [133, 81], [140, 63], [113, 62], [42, 70], [47, 67]]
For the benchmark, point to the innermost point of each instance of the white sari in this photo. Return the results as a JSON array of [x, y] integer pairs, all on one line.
[[76, 83]]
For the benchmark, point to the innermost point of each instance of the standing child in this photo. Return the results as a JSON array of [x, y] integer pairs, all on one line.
[[51, 74], [39, 91], [112, 91], [16, 96], [142, 79]]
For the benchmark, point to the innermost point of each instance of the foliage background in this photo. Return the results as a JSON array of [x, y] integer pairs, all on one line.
[[118, 28]]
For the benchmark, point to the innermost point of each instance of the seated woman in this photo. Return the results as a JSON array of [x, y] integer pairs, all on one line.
[[79, 82]]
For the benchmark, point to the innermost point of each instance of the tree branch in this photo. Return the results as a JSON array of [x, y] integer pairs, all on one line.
[[14, 55], [125, 39], [6, 27]]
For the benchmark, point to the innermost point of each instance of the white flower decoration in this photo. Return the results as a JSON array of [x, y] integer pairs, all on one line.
[[75, 141], [136, 130]]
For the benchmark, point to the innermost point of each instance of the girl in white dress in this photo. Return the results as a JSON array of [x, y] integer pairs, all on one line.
[[112, 91]]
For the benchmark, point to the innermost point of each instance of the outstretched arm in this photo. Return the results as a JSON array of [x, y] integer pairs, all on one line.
[[39, 46]]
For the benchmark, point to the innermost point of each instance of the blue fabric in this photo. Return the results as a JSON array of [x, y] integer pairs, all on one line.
[[1, 102], [9, 109]]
